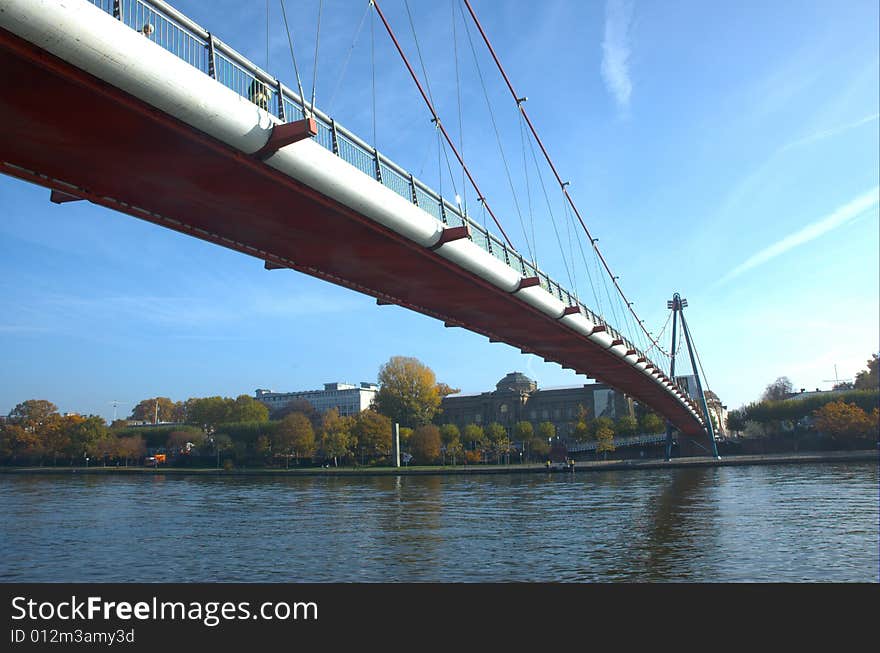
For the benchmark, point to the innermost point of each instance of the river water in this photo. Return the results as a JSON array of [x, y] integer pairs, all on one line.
[[793, 523]]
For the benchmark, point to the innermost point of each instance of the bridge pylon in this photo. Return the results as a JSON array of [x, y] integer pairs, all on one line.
[[677, 305]]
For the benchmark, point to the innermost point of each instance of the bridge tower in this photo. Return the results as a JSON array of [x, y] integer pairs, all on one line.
[[677, 305]]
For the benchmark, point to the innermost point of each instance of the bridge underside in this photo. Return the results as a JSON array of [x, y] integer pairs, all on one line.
[[128, 156]]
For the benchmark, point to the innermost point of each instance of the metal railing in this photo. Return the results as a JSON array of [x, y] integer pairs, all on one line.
[[631, 441], [176, 33]]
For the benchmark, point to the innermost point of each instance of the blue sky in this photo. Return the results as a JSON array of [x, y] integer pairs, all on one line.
[[727, 151]]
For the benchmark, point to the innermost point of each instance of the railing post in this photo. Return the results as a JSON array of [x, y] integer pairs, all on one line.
[[280, 91], [443, 217], [378, 166], [412, 188], [212, 65], [117, 9], [334, 136]]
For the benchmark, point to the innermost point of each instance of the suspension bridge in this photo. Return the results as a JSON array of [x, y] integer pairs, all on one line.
[[133, 106]]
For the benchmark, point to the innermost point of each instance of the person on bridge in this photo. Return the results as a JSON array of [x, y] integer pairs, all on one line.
[[259, 94]]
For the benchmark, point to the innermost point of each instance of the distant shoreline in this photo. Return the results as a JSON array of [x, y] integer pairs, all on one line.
[[448, 470]]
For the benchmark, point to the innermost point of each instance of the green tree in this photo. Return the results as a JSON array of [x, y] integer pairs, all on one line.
[[86, 434], [336, 437], [546, 430], [868, 379], [207, 412], [474, 436], [147, 410], [626, 425], [652, 423], [523, 431], [425, 444], [454, 449], [736, 421], [246, 409], [449, 432], [408, 392], [372, 431], [498, 439]]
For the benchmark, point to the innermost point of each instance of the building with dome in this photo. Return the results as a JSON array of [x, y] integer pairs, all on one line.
[[517, 398]]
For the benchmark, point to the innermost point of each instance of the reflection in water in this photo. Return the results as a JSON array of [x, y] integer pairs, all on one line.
[[670, 534], [718, 524]]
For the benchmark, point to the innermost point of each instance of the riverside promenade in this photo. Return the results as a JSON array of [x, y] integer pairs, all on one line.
[[449, 470]]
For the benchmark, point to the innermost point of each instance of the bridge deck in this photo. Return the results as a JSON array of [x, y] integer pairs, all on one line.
[[127, 155]]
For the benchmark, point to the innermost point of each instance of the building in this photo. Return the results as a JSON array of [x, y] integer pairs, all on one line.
[[719, 410], [348, 399], [516, 398]]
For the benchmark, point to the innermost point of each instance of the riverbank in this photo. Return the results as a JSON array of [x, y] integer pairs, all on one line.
[[447, 470]]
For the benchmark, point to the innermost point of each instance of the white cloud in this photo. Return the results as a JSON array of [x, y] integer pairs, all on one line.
[[842, 215], [827, 133], [616, 50]]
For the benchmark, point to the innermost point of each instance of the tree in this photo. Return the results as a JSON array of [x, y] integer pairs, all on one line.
[[780, 389], [445, 390], [131, 448], [868, 379], [297, 405], [604, 437], [372, 431], [474, 436], [207, 411], [539, 447], [626, 425], [843, 421], [581, 429], [246, 409], [602, 423], [85, 434], [147, 409], [33, 413], [449, 433], [652, 423], [454, 449], [425, 444], [335, 436], [736, 421], [408, 392], [16, 443], [498, 439], [523, 431], [181, 439]]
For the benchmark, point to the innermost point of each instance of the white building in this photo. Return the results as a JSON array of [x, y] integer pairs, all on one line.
[[348, 399]]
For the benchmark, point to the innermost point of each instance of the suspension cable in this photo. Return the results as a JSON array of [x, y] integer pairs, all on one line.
[[563, 185], [293, 56], [437, 119], [354, 41], [522, 223], [463, 206], [317, 41], [373, 72], [568, 270]]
